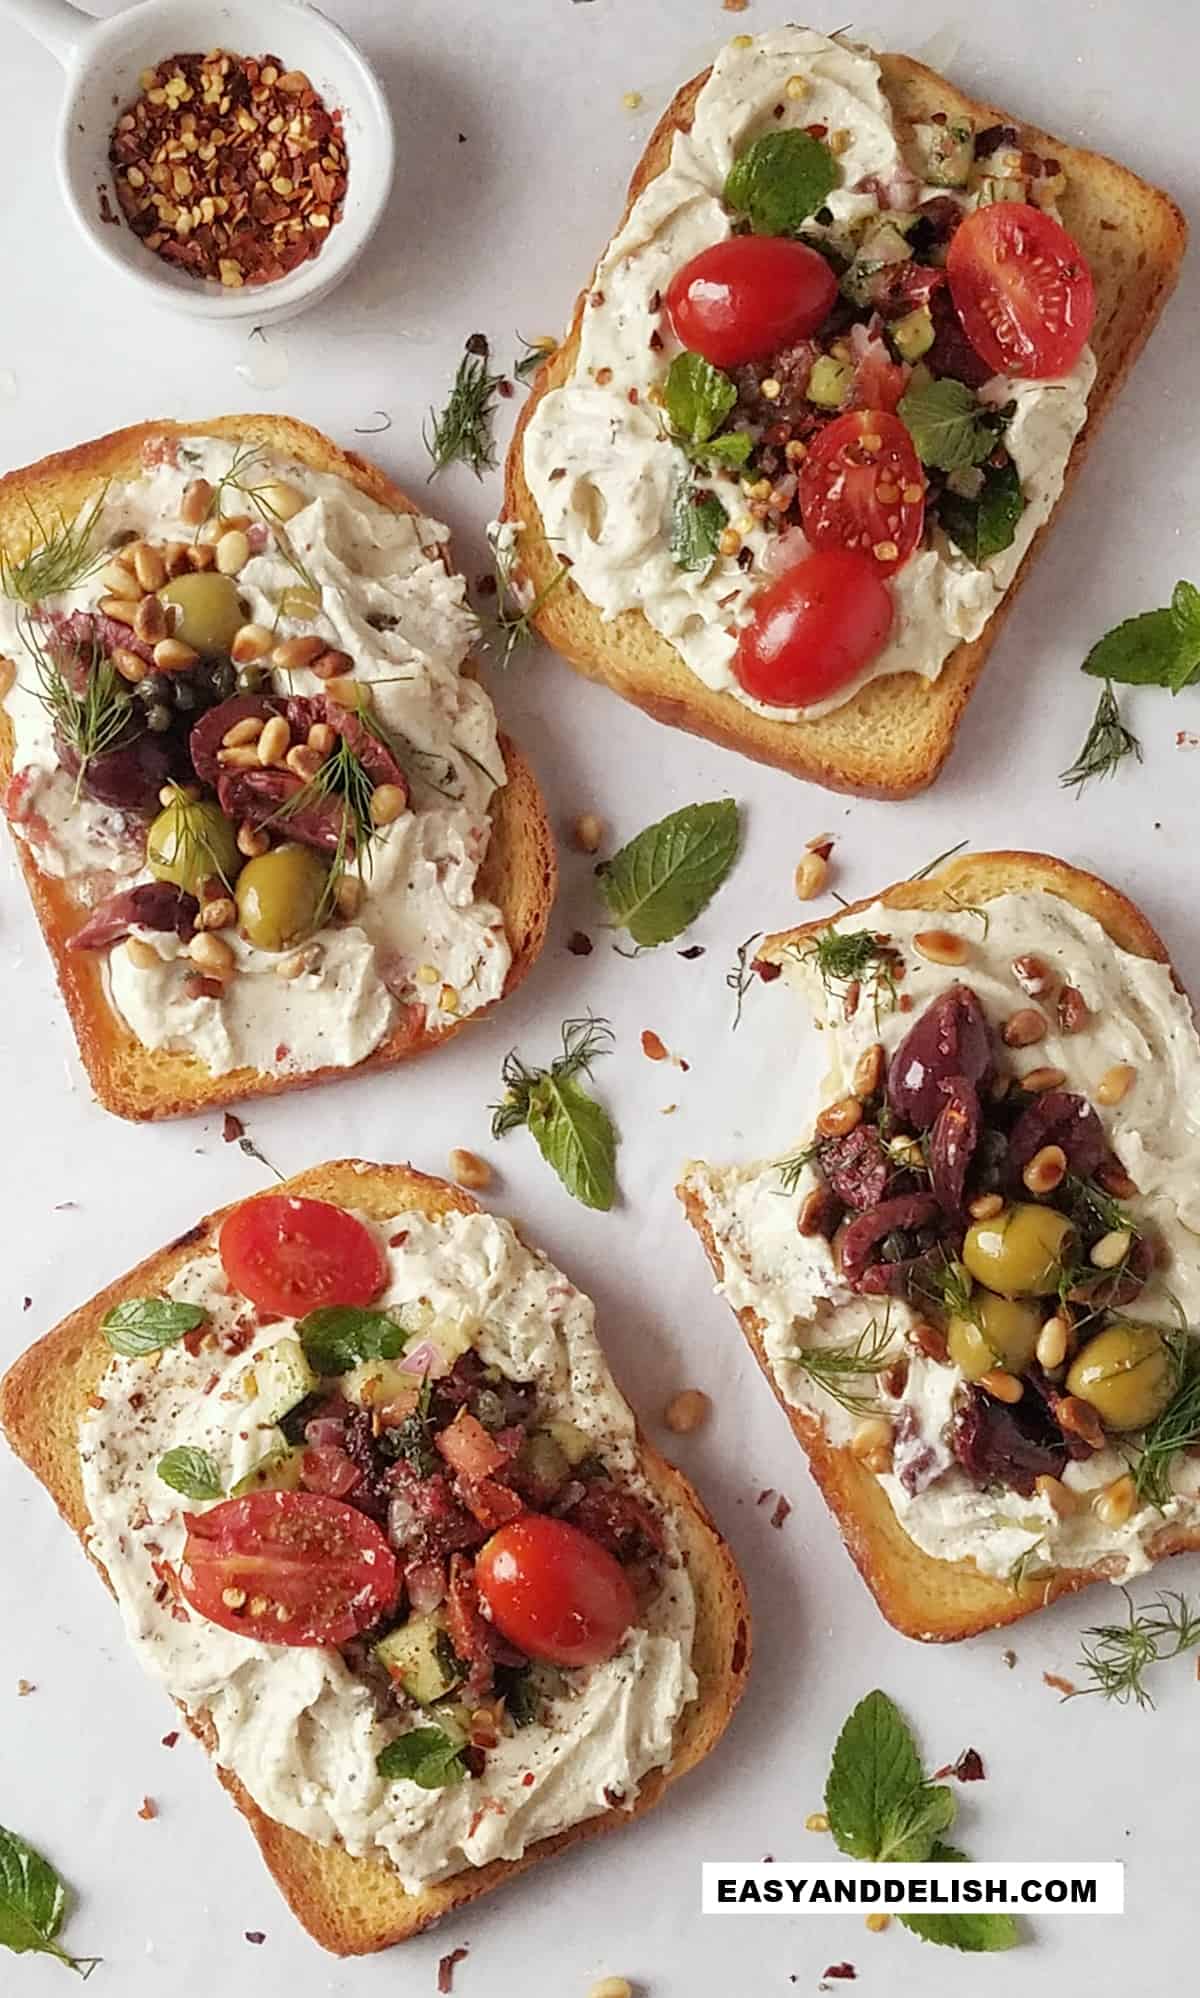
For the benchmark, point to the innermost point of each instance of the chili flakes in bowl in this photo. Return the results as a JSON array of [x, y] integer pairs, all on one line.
[[230, 167]]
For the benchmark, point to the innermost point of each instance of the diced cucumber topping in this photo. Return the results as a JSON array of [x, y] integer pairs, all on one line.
[[948, 151], [278, 1378], [419, 1658], [278, 1471], [829, 382], [572, 1441], [1001, 187], [913, 335]]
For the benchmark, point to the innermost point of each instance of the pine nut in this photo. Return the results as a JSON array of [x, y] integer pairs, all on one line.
[[274, 741], [1061, 1498], [838, 1118], [810, 877], [332, 664], [348, 895], [818, 1213], [149, 567], [251, 840], [219, 914], [427, 974], [588, 832], [150, 620], [300, 962], [874, 1433], [469, 1170], [1039, 1080], [868, 1071], [130, 665], [687, 1411], [1073, 1011], [1111, 1250], [1032, 975], [1001, 1386], [1046, 1169], [280, 501], [450, 999], [243, 757], [1022, 1029], [247, 730], [321, 738], [1053, 1340], [303, 761], [986, 1206], [141, 953], [250, 644], [119, 582], [612, 1987], [171, 655], [1116, 1181], [213, 955], [294, 654], [1081, 1419], [388, 801], [121, 609], [197, 498], [908, 1155], [199, 556], [349, 693], [816, 1821], [1115, 1084], [210, 534], [175, 555], [1116, 1502], [233, 552], [942, 946]]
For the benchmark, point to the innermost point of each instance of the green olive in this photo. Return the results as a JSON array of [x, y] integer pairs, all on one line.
[[1127, 1374], [1005, 1336], [1019, 1251], [279, 896], [210, 610], [189, 842]]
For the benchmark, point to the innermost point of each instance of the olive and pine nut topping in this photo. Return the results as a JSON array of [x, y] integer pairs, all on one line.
[[230, 168], [942, 946]]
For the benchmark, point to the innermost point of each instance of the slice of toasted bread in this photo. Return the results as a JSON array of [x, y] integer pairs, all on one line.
[[921, 1596], [519, 874], [891, 739], [353, 1906]]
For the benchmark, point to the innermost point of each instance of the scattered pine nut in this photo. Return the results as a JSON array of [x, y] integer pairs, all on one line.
[[816, 1821], [941, 946], [588, 832], [468, 1170], [810, 876], [1025, 1027], [687, 1411]]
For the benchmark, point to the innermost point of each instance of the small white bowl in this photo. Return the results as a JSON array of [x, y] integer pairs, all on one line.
[[104, 61]]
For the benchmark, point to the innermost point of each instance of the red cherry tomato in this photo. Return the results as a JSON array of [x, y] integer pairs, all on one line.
[[288, 1568], [290, 1255], [744, 299], [815, 628], [1022, 289], [554, 1592], [861, 486]]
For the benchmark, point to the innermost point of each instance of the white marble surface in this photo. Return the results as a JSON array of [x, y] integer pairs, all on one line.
[[494, 230]]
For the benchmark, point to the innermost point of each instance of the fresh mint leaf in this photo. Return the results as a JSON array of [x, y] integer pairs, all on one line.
[[337, 1336], [145, 1324], [1185, 609], [985, 526], [911, 1828], [732, 449], [425, 1756], [875, 1797], [778, 181], [1145, 651], [698, 519], [965, 1929], [698, 398], [948, 424], [660, 881], [33, 1902], [573, 1132], [192, 1472]]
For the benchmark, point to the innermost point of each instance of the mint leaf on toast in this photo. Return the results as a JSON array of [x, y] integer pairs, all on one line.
[[336, 1337], [778, 181], [949, 425], [193, 1472], [145, 1324], [986, 524]]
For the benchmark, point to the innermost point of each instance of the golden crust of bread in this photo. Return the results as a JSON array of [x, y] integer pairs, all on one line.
[[942, 1601], [352, 1906], [891, 739], [519, 874]]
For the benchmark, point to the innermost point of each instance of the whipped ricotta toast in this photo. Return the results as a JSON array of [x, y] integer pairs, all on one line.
[[803, 343], [376, 1516], [980, 1271], [244, 744]]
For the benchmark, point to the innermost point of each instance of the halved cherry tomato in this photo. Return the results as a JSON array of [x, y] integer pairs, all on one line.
[[861, 486], [815, 629], [290, 1255], [744, 299], [288, 1568], [1022, 289], [554, 1592]]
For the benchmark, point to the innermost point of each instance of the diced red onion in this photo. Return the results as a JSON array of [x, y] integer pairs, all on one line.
[[425, 1581], [324, 1429], [426, 1359]]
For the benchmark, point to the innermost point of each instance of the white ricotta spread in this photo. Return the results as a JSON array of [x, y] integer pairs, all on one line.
[[424, 947], [790, 1281], [601, 467], [294, 1725]]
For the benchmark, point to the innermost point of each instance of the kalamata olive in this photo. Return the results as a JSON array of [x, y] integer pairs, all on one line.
[[129, 776], [953, 1141], [1059, 1118], [1019, 1252], [210, 610], [865, 1235], [950, 1038], [1127, 1374], [279, 896], [190, 841], [1004, 1334], [1007, 1443], [184, 694], [152, 905], [856, 1167]]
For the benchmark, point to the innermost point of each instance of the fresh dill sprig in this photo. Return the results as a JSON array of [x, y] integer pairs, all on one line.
[[1119, 1653], [1098, 1205], [246, 459], [836, 1368], [949, 1285], [740, 976], [846, 959], [60, 558], [1107, 743], [462, 432], [931, 866], [792, 1170], [513, 623], [1176, 1429], [86, 719], [535, 352], [343, 777], [582, 1042]]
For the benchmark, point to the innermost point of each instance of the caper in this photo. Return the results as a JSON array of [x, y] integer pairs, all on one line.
[[183, 693], [210, 610], [1019, 1252], [1005, 1336], [250, 679], [155, 687], [279, 896], [189, 842], [1127, 1374], [158, 717]]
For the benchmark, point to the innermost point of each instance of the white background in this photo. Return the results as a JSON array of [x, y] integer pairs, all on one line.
[[495, 233]]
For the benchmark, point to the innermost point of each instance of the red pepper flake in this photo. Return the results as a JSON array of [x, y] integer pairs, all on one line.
[[767, 1493], [528, 1779], [26, 1302], [579, 943], [656, 342], [844, 1971], [149, 1809], [735, 6], [96, 1401], [446, 1968], [282, 1051], [968, 1769], [652, 1047], [782, 1508], [766, 970], [816, 131], [692, 952], [1063, 1686], [232, 1128], [905, 1002], [398, 1241], [255, 1936], [169, 1740]]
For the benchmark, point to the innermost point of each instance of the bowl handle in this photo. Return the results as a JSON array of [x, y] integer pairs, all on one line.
[[59, 27]]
